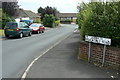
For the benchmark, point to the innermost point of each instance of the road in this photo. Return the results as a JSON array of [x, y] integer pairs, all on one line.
[[17, 54]]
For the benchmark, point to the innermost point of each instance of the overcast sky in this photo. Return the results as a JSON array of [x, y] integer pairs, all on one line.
[[64, 6]]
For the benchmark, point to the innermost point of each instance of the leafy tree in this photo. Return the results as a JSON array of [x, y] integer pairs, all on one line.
[[40, 10], [10, 8], [48, 10]]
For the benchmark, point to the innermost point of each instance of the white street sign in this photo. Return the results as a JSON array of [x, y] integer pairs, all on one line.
[[105, 41]]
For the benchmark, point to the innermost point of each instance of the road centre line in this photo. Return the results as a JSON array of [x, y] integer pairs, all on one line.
[[31, 64]]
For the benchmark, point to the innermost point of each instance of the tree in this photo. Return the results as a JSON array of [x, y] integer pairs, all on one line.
[[10, 8], [40, 10], [48, 10]]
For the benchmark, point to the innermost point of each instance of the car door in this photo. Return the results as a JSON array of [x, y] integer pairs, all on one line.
[[22, 28], [27, 29]]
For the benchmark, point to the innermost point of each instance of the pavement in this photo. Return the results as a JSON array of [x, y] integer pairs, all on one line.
[[61, 62]]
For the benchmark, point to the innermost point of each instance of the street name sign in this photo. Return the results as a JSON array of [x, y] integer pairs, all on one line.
[[100, 40]]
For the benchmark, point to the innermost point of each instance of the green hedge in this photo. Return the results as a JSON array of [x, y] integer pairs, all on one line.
[[49, 21], [100, 19]]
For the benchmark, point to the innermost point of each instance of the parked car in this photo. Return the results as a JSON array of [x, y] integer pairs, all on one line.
[[17, 29], [29, 22], [38, 28]]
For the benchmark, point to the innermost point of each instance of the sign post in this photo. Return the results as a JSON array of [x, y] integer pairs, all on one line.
[[104, 53], [100, 40], [89, 54]]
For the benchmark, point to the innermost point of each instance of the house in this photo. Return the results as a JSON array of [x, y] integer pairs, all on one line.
[[27, 14], [67, 16]]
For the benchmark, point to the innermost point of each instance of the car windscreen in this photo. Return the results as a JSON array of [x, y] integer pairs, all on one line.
[[11, 25]]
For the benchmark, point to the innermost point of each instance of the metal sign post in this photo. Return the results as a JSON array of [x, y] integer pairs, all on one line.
[[104, 53], [89, 52], [100, 40]]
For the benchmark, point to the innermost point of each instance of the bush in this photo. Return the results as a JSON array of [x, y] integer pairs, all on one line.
[[49, 21], [5, 19], [57, 22], [100, 19]]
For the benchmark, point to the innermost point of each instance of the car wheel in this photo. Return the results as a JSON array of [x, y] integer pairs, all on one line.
[[42, 31], [21, 35], [30, 33]]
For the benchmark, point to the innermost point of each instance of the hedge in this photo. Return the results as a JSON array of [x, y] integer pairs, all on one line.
[[100, 19]]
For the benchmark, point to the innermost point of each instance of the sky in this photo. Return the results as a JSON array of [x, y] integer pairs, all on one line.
[[64, 6]]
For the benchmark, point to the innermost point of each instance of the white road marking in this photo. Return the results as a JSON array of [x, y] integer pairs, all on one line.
[[28, 68]]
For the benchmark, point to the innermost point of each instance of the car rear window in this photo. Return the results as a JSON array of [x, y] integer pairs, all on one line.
[[11, 25], [35, 25]]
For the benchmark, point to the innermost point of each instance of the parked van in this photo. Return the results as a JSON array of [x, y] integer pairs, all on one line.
[[17, 29]]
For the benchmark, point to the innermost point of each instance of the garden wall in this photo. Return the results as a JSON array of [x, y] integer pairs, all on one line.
[[112, 57]]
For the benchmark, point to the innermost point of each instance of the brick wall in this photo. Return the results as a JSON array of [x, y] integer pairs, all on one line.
[[112, 57]]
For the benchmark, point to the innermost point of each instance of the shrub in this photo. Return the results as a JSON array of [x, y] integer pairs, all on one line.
[[100, 19], [49, 21], [5, 19], [57, 22]]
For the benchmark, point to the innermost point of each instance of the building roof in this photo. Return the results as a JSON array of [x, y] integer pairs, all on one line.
[[66, 14], [27, 13]]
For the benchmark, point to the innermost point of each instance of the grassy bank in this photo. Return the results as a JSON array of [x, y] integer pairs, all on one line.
[[1, 32]]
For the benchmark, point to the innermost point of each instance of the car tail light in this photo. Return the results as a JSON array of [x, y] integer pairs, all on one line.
[[17, 29], [4, 27]]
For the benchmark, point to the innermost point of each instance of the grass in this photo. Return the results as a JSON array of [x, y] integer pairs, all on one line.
[[1, 32]]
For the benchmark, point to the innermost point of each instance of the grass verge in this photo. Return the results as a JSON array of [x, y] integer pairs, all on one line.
[[1, 32]]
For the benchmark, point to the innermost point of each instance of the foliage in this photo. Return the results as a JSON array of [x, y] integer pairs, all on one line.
[[1, 32], [49, 20], [5, 19], [40, 10], [100, 19], [10, 8], [48, 10], [57, 22]]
